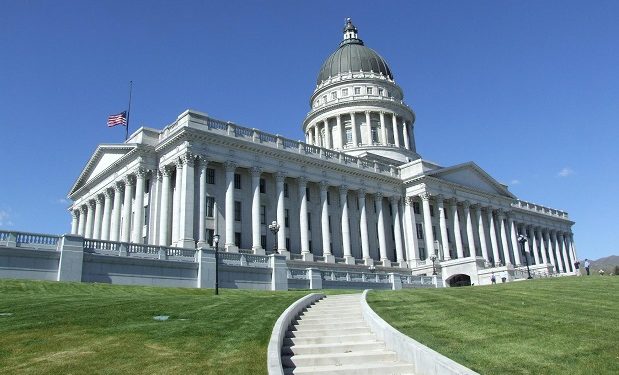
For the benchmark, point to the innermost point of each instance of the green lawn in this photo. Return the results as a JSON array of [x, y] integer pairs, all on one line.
[[566, 325], [73, 328]]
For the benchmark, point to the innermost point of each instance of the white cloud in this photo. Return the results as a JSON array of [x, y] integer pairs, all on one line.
[[515, 182], [62, 201], [5, 219], [566, 171]]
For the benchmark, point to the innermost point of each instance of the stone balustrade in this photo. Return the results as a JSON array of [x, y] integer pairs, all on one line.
[[29, 240]]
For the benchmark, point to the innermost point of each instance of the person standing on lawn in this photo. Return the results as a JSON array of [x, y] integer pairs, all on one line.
[[587, 264]]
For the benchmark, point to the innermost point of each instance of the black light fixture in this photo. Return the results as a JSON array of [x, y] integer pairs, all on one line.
[[522, 239], [216, 242], [274, 228]]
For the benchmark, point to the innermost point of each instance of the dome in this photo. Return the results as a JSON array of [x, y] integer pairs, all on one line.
[[353, 56]]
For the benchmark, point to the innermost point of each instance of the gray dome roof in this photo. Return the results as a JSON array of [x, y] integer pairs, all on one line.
[[353, 56]]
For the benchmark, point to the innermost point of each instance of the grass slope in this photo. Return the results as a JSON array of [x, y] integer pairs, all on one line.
[[73, 328], [554, 326]]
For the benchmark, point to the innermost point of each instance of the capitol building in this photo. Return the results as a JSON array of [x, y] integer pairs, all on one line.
[[355, 194]]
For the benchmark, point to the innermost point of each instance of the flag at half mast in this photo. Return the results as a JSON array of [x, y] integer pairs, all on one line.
[[117, 119]]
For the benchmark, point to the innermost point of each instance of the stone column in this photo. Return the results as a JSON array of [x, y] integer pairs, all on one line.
[[363, 229], [382, 241], [126, 227], [412, 250], [457, 232], [176, 204], [443, 225], [355, 135], [534, 247], [89, 219], [138, 216], [303, 227], [310, 135], [368, 124], [328, 142], [74, 221], [187, 202], [96, 230], [526, 247], [164, 219], [470, 235], [340, 133], [119, 188], [504, 243], [229, 207], [281, 214], [493, 239], [317, 141], [107, 210], [514, 237], [81, 229], [572, 247], [324, 224], [383, 128], [397, 229], [202, 166], [427, 223], [556, 251], [255, 211], [482, 233], [346, 249], [545, 249], [396, 133], [405, 135], [564, 255]]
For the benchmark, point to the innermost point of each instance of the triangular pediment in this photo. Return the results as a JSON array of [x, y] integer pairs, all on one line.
[[472, 176], [103, 158]]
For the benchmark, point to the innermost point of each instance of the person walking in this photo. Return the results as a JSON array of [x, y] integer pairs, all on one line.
[[587, 264], [493, 278]]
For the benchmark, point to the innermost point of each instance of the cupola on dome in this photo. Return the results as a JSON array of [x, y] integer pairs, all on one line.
[[353, 56]]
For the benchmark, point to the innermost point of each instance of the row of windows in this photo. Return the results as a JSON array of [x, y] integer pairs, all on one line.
[[344, 92]]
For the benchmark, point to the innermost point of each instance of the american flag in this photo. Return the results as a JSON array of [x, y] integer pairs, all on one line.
[[117, 119]]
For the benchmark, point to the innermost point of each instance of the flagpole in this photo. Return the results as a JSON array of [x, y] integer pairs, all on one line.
[[128, 111]]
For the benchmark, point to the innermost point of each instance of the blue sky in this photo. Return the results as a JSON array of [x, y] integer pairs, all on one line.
[[529, 90]]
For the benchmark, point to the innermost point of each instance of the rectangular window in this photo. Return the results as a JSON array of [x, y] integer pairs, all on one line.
[[348, 136], [432, 210], [263, 241], [237, 239], [334, 95], [344, 92], [380, 92], [307, 194], [210, 206], [422, 253], [237, 211], [209, 236], [419, 231], [286, 219], [262, 186], [375, 135], [210, 176], [237, 181], [370, 90], [309, 221], [287, 243], [416, 208], [357, 90], [434, 231], [263, 214], [285, 189]]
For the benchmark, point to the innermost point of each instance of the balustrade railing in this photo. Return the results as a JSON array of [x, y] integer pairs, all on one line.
[[331, 275], [243, 260], [138, 250], [297, 273], [29, 240], [417, 280]]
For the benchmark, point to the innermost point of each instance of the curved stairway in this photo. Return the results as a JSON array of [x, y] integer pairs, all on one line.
[[331, 337]]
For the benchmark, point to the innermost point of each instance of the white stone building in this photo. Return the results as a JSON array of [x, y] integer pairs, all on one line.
[[354, 194]]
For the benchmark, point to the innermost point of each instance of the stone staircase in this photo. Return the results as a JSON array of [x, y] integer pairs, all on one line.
[[331, 337]]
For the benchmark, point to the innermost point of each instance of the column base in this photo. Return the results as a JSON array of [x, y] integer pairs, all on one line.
[[285, 253], [412, 263], [307, 257], [258, 251], [369, 261], [386, 262], [403, 264], [329, 258], [231, 248], [349, 260], [187, 243], [202, 244]]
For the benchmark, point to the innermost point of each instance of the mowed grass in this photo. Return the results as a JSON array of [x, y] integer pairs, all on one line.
[[566, 325], [74, 328]]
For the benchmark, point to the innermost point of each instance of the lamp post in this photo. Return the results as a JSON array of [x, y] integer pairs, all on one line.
[[274, 228], [433, 257], [216, 242], [522, 239]]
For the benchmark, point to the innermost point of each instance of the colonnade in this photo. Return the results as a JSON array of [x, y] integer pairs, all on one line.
[[343, 131]]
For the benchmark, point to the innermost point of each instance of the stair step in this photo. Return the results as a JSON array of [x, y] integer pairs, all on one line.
[[396, 368], [338, 359], [326, 332], [311, 327], [333, 347], [326, 322], [332, 339]]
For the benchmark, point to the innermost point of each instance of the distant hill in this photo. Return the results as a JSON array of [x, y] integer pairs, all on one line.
[[607, 264]]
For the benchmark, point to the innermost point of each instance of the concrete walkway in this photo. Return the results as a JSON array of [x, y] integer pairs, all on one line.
[[331, 337]]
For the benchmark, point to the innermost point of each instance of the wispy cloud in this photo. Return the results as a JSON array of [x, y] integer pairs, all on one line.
[[5, 219], [514, 182], [566, 171], [62, 201]]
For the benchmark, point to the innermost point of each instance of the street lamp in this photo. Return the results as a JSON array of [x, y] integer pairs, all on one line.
[[433, 259], [522, 239], [216, 242], [274, 228]]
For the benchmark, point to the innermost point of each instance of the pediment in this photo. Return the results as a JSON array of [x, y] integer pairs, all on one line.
[[103, 158], [472, 176]]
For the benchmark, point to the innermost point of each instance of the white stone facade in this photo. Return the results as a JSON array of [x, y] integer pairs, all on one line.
[[351, 194]]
